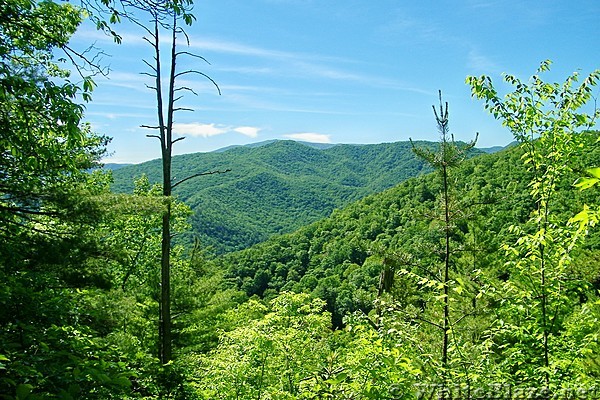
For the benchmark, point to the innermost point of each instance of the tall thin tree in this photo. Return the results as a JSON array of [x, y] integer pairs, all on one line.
[[448, 155], [167, 17]]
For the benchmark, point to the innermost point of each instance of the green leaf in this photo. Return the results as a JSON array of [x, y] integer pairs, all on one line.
[[23, 391], [595, 172], [122, 381], [586, 183], [458, 289]]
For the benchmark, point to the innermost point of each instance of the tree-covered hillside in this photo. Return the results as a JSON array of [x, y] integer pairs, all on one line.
[[275, 188], [340, 258], [478, 280]]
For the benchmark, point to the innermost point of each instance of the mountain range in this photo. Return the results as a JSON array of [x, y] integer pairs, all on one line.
[[276, 187], [340, 258]]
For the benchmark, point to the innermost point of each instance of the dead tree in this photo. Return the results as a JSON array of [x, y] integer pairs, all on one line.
[[167, 17]]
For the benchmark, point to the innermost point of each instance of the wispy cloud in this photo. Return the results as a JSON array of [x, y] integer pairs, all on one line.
[[228, 47], [284, 63], [88, 32], [126, 80], [281, 63], [310, 137], [249, 131], [484, 3], [113, 115], [404, 26], [247, 70], [481, 63], [253, 102], [199, 129]]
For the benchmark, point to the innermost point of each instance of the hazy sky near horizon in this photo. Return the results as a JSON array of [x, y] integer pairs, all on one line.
[[333, 71]]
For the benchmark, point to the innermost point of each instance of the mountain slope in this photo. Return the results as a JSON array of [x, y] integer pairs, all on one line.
[[339, 258], [277, 187]]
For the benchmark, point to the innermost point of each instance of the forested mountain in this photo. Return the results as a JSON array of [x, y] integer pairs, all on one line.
[[478, 280], [276, 187], [114, 166], [375, 266], [340, 258]]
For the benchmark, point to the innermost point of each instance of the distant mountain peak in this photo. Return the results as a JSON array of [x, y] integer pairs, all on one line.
[[319, 146]]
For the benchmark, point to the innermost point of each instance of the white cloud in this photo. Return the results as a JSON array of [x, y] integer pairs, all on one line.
[[249, 131], [310, 137], [481, 63], [199, 129]]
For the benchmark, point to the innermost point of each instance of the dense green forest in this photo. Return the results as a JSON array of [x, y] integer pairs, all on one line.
[[480, 279], [275, 188]]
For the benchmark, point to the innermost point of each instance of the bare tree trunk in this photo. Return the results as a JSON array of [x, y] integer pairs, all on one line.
[[165, 295], [165, 136], [166, 352]]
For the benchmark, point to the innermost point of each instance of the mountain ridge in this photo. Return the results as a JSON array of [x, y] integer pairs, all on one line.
[[340, 258], [113, 165], [277, 187]]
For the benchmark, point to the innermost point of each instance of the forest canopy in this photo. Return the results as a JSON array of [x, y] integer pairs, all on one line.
[[480, 275]]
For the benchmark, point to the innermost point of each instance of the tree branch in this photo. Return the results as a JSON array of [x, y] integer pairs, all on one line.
[[152, 67], [194, 55], [200, 73], [186, 88], [197, 175]]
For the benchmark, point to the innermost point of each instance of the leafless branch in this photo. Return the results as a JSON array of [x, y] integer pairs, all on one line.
[[200, 73], [152, 67], [193, 55], [197, 175], [149, 41], [186, 88]]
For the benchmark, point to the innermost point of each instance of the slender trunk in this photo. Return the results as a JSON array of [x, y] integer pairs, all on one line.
[[164, 304], [446, 324], [165, 270], [165, 127], [164, 325], [544, 299], [165, 264], [543, 209], [544, 318], [165, 298]]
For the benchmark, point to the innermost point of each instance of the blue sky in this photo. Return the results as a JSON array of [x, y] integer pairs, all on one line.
[[352, 71]]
